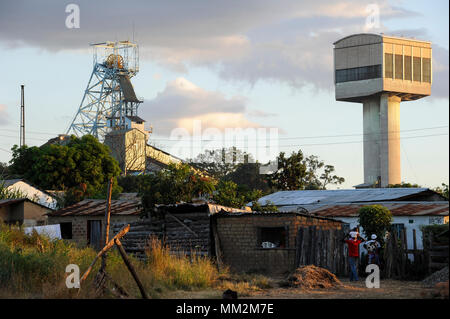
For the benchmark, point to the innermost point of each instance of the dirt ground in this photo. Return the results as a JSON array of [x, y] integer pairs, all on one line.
[[389, 289]]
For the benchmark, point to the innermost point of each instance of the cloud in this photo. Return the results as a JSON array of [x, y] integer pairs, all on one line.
[[182, 103], [3, 115], [287, 41]]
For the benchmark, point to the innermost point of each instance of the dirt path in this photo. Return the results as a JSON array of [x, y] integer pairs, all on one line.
[[389, 289]]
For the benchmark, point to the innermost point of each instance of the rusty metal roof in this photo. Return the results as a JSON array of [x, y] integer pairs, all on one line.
[[198, 207], [97, 207], [396, 208]]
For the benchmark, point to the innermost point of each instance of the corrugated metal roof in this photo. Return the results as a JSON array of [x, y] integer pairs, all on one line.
[[306, 197], [97, 207], [293, 212], [7, 202], [192, 207], [396, 208], [9, 182]]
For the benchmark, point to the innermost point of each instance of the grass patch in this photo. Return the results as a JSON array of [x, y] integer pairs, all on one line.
[[33, 266]]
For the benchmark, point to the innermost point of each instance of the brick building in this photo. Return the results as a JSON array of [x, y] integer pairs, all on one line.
[[84, 222], [265, 242]]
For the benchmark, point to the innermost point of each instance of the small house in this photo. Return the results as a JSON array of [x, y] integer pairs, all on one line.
[[24, 212], [84, 222]]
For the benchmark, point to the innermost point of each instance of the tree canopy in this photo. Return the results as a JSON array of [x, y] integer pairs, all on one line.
[[83, 161], [375, 219]]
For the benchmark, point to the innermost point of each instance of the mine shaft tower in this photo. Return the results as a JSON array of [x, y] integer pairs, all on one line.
[[109, 96], [380, 72]]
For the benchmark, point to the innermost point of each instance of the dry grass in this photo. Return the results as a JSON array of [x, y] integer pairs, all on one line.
[[34, 267]]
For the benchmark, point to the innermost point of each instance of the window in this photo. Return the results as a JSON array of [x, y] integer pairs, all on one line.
[[272, 237], [357, 74], [388, 65], [408, 68], [426, 69], [416, 69], [399, 66], [66, 230]]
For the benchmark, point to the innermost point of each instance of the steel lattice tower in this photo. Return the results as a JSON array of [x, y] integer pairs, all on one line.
[[109, 95]]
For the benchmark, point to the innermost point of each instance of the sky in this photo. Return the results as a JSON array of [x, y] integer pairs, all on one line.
[[254, 65]]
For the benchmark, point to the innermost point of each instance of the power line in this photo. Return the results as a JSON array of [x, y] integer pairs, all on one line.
[[309, 137], [330, 143]]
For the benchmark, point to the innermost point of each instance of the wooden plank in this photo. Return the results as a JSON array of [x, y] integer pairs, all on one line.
[[298, 242], [108, 246], [414, 239], [438, 265], [130, 268], [305, 246], [434, 253], [182, 224]]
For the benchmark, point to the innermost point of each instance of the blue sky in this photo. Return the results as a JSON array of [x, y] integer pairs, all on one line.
[[230, 64]]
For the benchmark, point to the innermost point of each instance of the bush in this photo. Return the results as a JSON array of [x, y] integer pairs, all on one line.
[[375, 219]]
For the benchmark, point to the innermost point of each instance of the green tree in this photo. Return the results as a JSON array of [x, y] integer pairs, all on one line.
[[227, 194], [404, 185], [267, 207], [248, 177], [443, 190], [220, 162], [375, 219], [176, 183], [298, 172], [291, 172], [82, 168]]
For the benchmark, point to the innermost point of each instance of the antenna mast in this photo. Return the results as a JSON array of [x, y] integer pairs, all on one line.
[[22, 116]]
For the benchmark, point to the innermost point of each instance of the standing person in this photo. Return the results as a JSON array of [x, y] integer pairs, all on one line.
[[373, 247], [353, 242]]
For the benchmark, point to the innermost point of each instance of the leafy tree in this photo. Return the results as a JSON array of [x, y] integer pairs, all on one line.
[[227, 195], [403, 185], [175, 184], [291, 172], [248, 177], [443, 190], [298, 172], [375, 219], [267, 207], [220, 162], [82, 161]]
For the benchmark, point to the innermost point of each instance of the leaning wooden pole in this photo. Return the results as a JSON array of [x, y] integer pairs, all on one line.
[[108, 246], [130, 268], [107, 218]]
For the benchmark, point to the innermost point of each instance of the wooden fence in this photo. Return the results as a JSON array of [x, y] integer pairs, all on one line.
[[323, 248]]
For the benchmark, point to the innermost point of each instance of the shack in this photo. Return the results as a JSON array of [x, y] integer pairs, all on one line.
[[23, 211], [84, 222], [279, 242], [185, 228]]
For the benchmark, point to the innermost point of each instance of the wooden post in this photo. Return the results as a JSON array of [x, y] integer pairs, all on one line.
[[130, 268], [107, 219], [120, 234], [414, 240]]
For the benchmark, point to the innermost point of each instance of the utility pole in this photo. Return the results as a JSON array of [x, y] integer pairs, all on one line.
[[22, 116]]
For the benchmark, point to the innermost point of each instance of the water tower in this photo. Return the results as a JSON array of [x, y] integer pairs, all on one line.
[[380, 72], [109, 96]]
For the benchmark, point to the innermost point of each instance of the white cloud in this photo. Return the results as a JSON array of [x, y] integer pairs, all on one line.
[[3, 115], [288, 41], [182, 102]]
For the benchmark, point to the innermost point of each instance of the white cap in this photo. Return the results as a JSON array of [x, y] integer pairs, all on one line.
[[373, 236], [353, 234]]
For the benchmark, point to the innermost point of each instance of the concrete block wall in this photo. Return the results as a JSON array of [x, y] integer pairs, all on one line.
[[239, 241]]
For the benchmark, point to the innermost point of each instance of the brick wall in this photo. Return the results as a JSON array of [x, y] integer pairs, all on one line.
[[239, 241], [80, 228]]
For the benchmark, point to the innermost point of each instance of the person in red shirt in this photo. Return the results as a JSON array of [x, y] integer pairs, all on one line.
[[353, 241]]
